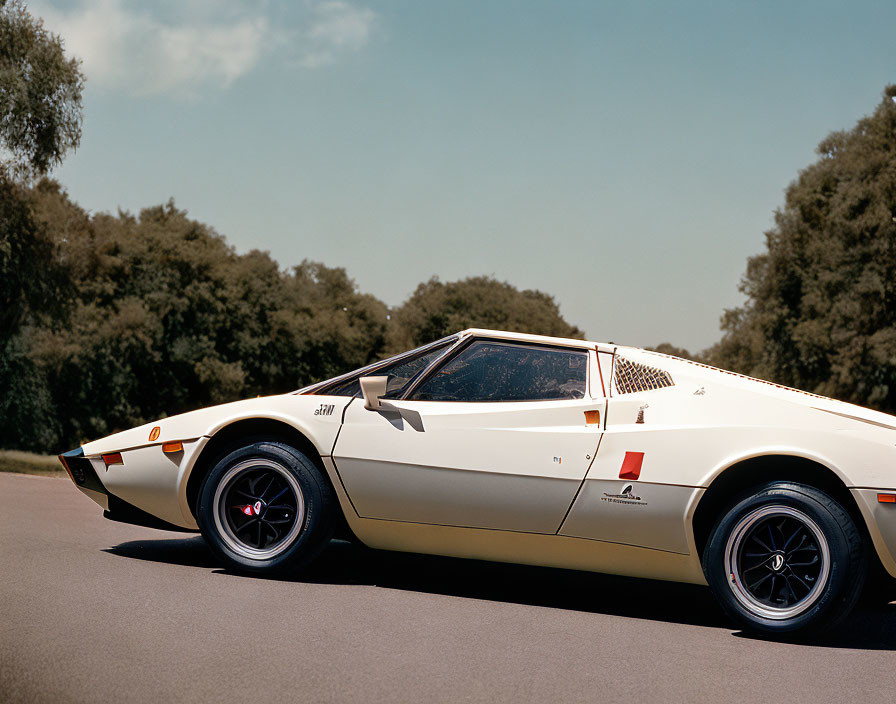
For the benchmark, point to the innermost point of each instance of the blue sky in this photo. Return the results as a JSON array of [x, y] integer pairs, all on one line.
[[624, 157]]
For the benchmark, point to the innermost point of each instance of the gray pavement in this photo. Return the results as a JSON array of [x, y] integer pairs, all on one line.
[[92, 610]]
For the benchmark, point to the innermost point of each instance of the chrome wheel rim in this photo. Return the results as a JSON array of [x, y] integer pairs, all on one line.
[[259, 509], [777, 561]]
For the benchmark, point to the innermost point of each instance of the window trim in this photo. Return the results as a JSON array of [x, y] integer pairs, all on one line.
[[321, 387], [467, 341]]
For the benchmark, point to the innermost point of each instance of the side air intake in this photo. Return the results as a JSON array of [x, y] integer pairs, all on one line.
[[629, 377]]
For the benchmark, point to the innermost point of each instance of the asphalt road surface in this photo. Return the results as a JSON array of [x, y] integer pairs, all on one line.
[[92, 610]]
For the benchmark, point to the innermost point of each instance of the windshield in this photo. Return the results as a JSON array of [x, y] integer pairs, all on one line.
[[400, 370]]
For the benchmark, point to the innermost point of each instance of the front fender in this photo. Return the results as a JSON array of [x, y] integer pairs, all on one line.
[[146, 478]]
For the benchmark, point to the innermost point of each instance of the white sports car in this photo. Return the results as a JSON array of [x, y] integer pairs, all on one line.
[[540, 450]]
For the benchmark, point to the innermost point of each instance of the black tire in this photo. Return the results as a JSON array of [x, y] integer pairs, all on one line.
[[275, 533], [805, 596]]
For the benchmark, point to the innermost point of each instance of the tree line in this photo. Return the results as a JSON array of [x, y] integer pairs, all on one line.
[[108, 321], [156, 314]]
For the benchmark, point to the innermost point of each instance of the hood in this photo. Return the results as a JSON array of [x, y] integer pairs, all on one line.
[[184, 426]]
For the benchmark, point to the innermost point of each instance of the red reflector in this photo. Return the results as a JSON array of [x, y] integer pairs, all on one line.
[[887, 498], [631, 465], [113, 458], [592, 417], [170, 447]]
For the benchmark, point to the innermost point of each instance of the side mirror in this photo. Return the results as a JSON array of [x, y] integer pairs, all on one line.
[[373, 388]]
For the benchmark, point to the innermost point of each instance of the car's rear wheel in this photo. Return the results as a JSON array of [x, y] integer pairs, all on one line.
[[786, 559], [265, 508]]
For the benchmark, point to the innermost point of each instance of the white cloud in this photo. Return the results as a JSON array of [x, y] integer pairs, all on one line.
[[187, 46], [337, 27]]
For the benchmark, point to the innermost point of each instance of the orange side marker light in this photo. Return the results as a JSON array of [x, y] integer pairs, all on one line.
[[112, 458], [887, 498], [592, 417], [154, 434], [171, 447]]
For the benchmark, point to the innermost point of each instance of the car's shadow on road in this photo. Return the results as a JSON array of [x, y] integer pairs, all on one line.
[[352, 564]]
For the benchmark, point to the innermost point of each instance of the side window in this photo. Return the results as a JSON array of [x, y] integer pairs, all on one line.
[[399, 373], [500, 371]]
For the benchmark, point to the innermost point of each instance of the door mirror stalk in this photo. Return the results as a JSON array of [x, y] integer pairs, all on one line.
[[373, 388]]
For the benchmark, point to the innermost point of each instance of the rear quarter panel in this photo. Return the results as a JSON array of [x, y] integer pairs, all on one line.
[[692, 432]]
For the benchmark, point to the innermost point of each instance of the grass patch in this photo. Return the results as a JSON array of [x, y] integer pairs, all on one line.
[[30, 463]]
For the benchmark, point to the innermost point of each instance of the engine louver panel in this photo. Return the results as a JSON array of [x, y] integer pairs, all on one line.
[[629, 377]]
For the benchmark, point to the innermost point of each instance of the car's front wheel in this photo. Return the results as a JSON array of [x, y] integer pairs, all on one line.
[[265, 508], [786, 559]]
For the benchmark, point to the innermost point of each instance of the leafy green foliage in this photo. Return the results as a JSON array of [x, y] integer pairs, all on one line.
[[165, 317], [29, 277], [40, 120], [821, 300], [670, 349], [40, 94], [437, 309]]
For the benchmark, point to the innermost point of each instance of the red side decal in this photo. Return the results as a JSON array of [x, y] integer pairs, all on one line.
[[631, 465]]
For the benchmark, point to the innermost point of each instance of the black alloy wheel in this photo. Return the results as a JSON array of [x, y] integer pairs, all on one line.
[[266, 508], [786, 558]]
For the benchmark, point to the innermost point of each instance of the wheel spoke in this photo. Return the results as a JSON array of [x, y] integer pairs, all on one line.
[[253, 482], [754, 567], [798, 579], [770, 551], [278, 495], [267, 488], [259, 508], [809, 548], [246, 524], [771, 591], [274, 529], [799, 545], [761, 580], [764, 546], [793, 593], [798, 530]]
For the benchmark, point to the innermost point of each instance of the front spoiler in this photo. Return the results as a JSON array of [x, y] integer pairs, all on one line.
[[122, 512]]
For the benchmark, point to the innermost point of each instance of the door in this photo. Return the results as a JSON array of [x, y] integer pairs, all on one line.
[[499, 435]]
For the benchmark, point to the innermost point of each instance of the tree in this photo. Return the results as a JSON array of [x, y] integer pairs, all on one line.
[[669, 348], [166, 318], [437, 309], [820, 312], [40, 120], [40, 94], [29, 277]]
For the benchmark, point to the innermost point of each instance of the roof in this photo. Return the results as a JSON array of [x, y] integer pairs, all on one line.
[[542, 339]]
